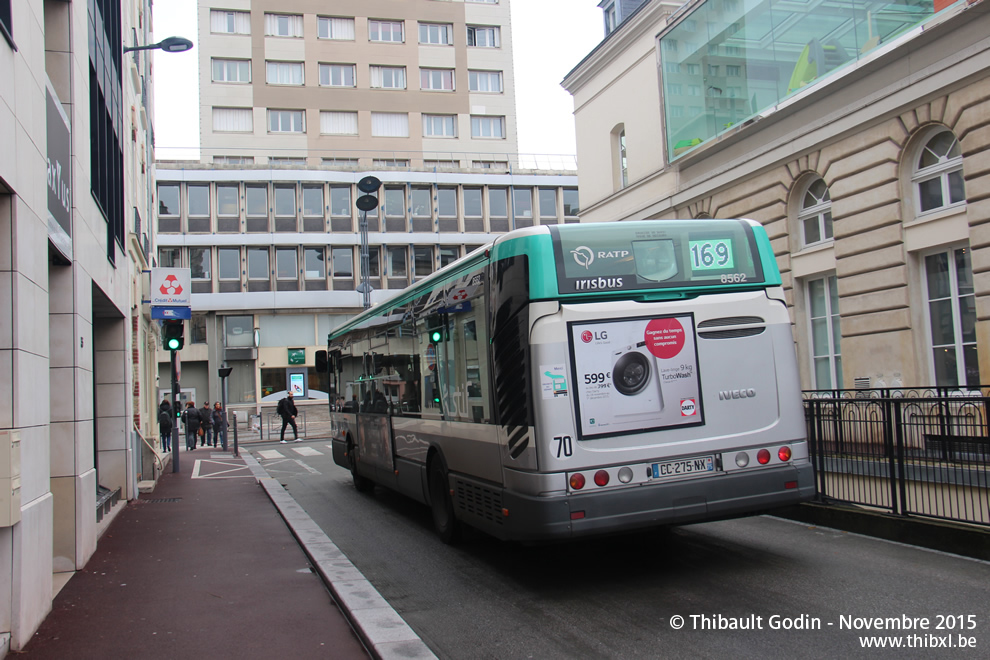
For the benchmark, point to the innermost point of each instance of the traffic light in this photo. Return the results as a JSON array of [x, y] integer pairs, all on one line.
[[172, 335]]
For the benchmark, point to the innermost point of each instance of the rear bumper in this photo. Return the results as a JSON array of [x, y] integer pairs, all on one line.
[[695, 500]]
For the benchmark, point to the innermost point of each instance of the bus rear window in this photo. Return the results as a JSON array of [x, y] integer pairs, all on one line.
[[656, 254]]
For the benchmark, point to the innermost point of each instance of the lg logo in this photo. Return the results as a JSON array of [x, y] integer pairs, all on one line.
[[588, 336]]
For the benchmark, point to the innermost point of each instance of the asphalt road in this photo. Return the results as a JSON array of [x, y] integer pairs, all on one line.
[[752, 588]]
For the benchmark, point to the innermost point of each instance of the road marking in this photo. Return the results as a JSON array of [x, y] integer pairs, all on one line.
[[307, 451], [306, 467], [233, 467], [270, 454]]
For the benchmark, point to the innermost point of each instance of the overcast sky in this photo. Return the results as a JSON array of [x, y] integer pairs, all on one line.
[[551, 37]]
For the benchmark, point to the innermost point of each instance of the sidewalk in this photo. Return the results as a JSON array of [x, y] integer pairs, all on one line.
[[201, 567]]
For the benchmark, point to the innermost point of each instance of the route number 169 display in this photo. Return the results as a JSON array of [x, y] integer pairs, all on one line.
[[711, 254]]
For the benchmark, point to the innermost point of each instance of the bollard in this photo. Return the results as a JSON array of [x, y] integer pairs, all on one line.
[[236, 454]]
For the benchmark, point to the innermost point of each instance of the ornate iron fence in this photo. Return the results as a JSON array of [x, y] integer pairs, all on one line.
[[910, 451]]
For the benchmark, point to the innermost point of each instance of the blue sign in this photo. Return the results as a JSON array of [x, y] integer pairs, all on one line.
[[171, 313]]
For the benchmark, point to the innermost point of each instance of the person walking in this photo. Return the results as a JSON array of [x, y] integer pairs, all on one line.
[[287, 409], [219, 426], [193, 422], [165, 425], [206, 415]]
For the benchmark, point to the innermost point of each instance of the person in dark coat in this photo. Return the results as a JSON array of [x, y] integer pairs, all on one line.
[[287, 410], [165, 425], [219, 426], [206, 419], [192, 419]]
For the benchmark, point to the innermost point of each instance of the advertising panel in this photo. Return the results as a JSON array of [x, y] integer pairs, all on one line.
[[170, 287], [635, 375], [297, 384], [59, 179]]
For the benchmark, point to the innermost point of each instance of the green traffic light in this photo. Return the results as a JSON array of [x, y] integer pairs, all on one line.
[[435, 336], [174, 344]]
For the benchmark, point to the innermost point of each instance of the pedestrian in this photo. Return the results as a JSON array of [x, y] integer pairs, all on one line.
[[191, 417], [219, 426], [165, 425], [206, 415], [287, 409]]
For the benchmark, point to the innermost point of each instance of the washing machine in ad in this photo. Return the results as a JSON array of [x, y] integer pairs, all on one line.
[[635, 375]]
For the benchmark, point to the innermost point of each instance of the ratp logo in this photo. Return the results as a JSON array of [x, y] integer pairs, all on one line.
[[171, 286], [583, 256]]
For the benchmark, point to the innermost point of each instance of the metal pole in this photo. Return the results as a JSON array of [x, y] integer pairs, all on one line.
[[365, 261], [236, 453], [175, 415], [223, 411]]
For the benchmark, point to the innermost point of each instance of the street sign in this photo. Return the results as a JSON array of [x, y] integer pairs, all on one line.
[[170, 287], [169, 313]]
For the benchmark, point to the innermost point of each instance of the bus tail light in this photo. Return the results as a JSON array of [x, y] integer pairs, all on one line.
[[790, 485], [601, 478], [763, 456], [784, 453], [577, 481], [625, 475], [577, 515]]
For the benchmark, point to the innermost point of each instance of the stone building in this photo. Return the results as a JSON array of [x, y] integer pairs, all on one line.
[[857, 135]]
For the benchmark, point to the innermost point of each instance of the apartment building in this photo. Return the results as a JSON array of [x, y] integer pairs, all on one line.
[[856, 134], [75, 344], [420, 83], [299, 101]]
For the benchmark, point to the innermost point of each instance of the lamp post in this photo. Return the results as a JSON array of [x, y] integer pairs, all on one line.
[[365, 203], [169, 45], [224, 372]]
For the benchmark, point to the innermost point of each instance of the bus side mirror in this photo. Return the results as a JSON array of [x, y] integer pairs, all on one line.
[[322, 364]]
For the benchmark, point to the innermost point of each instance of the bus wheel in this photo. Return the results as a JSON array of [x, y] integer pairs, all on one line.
[[361, 484], [446, 525]]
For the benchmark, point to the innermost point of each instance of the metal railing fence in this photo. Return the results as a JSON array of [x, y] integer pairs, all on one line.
[[909, 451]]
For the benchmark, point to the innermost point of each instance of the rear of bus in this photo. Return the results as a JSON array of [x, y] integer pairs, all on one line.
[[664, 382]]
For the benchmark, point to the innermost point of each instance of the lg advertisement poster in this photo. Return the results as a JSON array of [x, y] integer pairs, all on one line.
[[636, 375]]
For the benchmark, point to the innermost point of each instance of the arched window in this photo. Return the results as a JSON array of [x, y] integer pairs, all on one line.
[[620, 166], [623, 163], [938, 177], [815, 215]]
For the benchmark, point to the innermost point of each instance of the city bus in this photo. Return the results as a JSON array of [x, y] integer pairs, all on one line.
[[580, 379]]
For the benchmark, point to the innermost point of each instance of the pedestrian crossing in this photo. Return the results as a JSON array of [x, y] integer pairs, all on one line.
[[275, 454]]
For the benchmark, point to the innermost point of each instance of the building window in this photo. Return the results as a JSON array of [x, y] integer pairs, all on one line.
[[287, 160], [170, 257], [285, 264], [472, 203], [168, 199], [227, 200], [284, 73], [286, 121], [337, 75], [257, 200], [490, 164], [198, 199], [436, 35], [338, 162], [823, 318], [386, 31], [571, 206], [421, 202], [388, 77], [258, 264], [938, 176], [229, 264], [232, 71], [952, 318], [199, 263], [441, 80], [482, 36], [447, 202], [440, 126], [610, 19], [395, 202], [283, 25], [338, 123], [285, 201], [230, 22], [522, 206], [389, 124], [233, 120], [487, 127], [449, 254], [315, 263], [313, 201], [197, 329], [233, 160], [621, 158], [485, 81], [397, 264], [335, 28], [340, 201], [431, 164], [422, 260], [497, 203], [343, 263], [389, 162], [548, 202], [815, 216]]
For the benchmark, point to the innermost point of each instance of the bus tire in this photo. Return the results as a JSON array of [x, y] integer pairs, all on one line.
[[361, 484], [444, 521]]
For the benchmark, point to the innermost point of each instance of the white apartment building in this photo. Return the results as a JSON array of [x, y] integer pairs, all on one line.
[[75, 343], [856, 134]]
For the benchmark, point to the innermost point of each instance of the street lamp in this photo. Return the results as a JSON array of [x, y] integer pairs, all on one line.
[[169, 45]]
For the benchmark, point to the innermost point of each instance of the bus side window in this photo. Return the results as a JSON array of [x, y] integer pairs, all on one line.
[[470, 400]]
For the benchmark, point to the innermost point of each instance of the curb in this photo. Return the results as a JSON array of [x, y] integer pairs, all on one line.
[[954, 538], [384, 633]]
